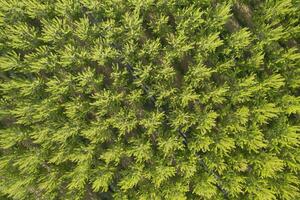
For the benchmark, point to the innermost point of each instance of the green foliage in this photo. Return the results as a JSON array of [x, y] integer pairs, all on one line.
[[150, 100]]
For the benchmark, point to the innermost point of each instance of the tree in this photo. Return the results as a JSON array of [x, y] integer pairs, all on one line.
[[134, 99]]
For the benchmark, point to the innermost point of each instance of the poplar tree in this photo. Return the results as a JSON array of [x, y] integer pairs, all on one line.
[[149, 99]]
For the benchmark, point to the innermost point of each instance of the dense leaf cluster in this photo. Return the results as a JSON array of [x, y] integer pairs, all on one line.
[[149, 99]]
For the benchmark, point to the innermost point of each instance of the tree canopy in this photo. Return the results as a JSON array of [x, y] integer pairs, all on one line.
[[149, 99]]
